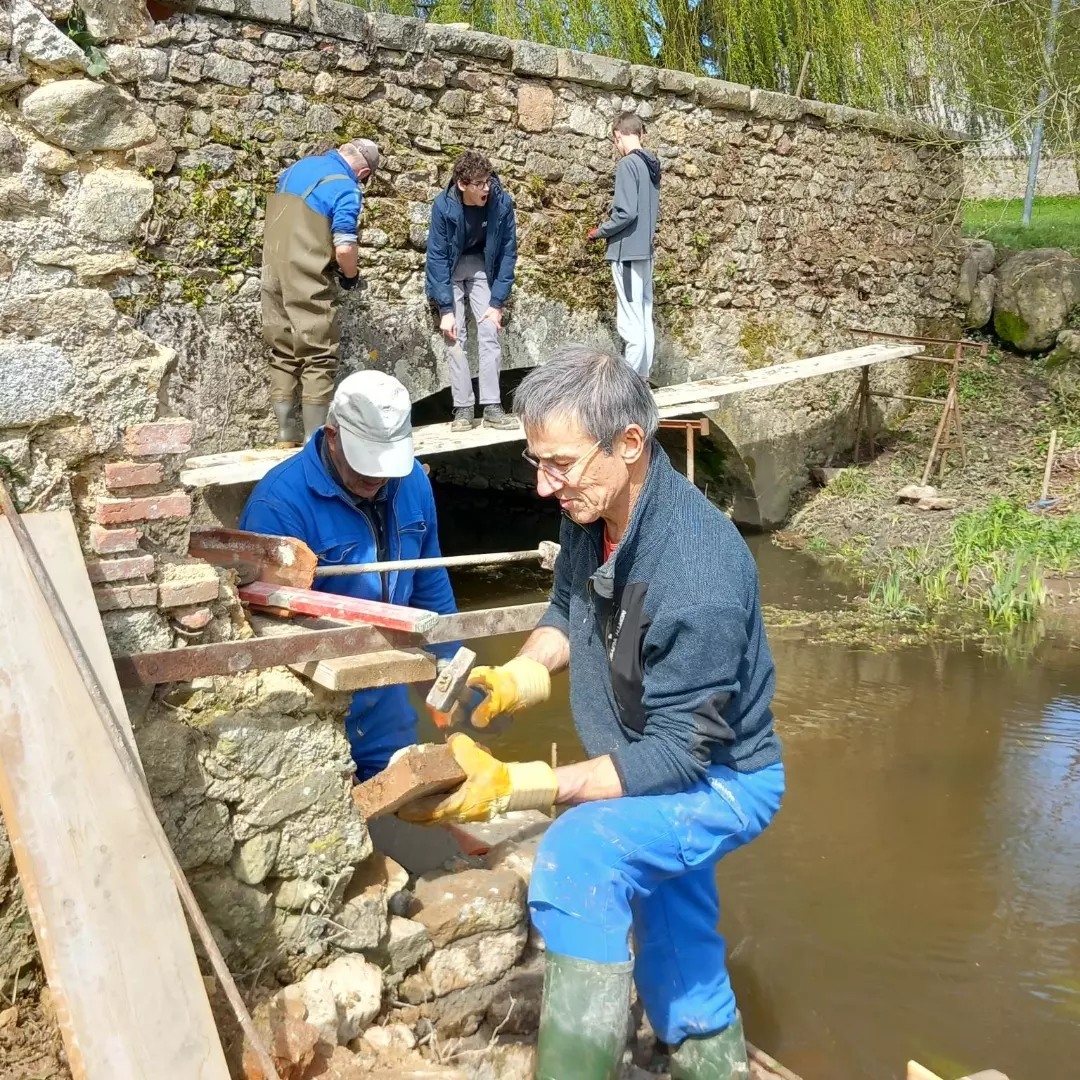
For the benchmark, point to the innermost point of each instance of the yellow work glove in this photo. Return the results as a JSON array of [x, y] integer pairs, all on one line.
[[491, 787], [513, 686]]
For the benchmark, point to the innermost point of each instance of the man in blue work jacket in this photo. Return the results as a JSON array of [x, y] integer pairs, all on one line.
[[311, 229], [355, 494], [471, 254]]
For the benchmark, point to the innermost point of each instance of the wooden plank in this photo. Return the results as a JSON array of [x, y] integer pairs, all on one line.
[[321, 639], [329, 605], [389, 668], [684, 399], [130, 1002], [764, 1067]]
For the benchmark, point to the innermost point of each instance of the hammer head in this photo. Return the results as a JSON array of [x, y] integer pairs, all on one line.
[[450, 687]]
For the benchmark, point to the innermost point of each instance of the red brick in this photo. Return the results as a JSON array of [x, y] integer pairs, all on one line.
[[429, 769], [160, 437], [194, 620], [187, 584], [149, 508], [119, 597], [127, 474], [102, 570], [113, 541]]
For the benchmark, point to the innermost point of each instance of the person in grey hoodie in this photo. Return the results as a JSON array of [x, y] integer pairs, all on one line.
[[630, 230]]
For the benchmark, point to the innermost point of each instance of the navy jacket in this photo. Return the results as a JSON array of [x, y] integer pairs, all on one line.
[[446, 243], [299, 498], [670, 670]]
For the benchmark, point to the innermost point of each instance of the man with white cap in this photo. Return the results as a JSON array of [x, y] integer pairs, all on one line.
[[310, 237], [355, 494]]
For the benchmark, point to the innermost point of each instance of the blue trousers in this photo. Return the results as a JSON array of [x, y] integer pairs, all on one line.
[[647, 864], [379, 722]]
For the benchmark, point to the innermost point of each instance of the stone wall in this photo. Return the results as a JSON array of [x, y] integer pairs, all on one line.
[[133, 205], [1006, 177]]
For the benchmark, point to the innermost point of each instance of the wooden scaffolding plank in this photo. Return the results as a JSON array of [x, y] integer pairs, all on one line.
[[684, 399], [388, 668], [129, 998]]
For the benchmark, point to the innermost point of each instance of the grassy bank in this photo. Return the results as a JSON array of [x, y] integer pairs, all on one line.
[[990, 561], [1055, 222]]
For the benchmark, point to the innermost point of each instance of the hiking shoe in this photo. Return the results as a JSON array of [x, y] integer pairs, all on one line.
[[495, 417], [463, 419]]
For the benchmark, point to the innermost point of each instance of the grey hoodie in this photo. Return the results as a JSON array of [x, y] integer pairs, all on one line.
[[631, 224]]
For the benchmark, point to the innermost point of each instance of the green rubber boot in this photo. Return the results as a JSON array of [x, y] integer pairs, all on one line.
[[715, 1057], [583, 1019]]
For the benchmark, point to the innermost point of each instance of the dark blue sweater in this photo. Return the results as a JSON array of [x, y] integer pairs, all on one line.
[[670, 669]]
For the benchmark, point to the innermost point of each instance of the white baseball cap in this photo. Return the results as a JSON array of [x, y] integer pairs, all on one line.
[[372, 413]]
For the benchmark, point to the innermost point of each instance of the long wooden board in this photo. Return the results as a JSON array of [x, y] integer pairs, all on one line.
[[683, 399], [129, 999], [317, 639]]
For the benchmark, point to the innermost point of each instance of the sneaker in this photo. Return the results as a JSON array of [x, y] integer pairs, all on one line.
[[495, 417], [463, 419]]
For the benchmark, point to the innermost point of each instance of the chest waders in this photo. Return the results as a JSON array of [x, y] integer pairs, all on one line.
[[300, 319]]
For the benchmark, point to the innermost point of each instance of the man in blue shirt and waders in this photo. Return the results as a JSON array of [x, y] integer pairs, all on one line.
[[656, 613], [310, 235], [355, 494]]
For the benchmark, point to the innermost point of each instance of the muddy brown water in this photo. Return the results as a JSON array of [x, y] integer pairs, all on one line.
[[918, 896]]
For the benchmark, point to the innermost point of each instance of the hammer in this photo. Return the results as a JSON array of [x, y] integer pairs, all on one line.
[[451, 699]]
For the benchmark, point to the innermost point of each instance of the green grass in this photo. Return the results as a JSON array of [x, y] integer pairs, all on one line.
[[1055, 222]]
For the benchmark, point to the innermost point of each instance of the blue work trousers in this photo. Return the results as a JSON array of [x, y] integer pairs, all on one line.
[[647, 864], [379, 722]]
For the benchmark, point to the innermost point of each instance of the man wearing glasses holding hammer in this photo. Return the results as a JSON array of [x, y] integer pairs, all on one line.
[[656, 613]]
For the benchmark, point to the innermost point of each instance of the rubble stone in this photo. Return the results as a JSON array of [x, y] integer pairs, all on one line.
[[83, 116], [456, 905]]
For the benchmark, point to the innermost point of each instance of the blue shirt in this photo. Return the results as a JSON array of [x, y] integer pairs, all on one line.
[[338, 200], [299, 498]]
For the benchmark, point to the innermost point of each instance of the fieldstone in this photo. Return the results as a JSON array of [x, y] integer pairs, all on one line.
[[456, 905], [1037, 292], [157, 156], [218, 159], [266, 805], [167, 752], [222, 69], [532, 58], [981, 307], [474, 961], [458, 1014], [453, 103], [982, 251], [36, 381], [42, 43], [510, 1061], [198, 830], [407, 944], [324, 84], [643, 80], [50, 160], [718, 94], [1066, 350], [241, 912], [390, 1037], [676, 82], [536, 107], [341, 999], [84, 116], [11, 151], [128, 64], [446, 38], [296, 894], [321, 119], [586, 120], [968, 278], [774, 106], [116, 20], [253, 860], [111, 204], [547, 168], [12, 76], [592, 70], [89, 268], [136, 631]]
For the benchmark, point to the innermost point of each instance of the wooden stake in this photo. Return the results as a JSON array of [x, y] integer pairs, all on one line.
[[690, 454], [1049, 466], [802, 72]]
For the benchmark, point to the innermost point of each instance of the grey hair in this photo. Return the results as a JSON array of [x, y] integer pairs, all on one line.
[[591, 385]]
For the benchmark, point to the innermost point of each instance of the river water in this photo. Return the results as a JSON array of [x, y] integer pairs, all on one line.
[[918, 895]]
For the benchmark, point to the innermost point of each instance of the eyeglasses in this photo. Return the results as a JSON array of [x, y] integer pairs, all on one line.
[[482, 185], [560, 476]]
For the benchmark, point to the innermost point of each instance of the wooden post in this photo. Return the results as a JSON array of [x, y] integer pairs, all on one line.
[[1049, 466], [689, 453]]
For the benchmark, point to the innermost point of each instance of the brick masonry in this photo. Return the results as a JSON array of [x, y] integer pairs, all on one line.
[[160, 437], [104, 570], [112, 541], [127, 474], [149, 508]]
